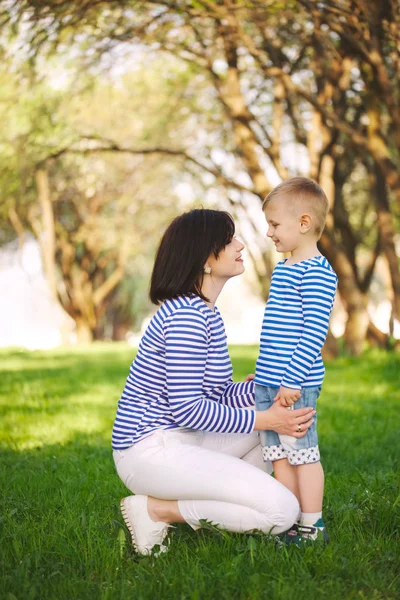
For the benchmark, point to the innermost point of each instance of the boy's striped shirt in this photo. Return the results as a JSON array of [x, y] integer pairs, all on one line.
[[182, 377], [295, 324]]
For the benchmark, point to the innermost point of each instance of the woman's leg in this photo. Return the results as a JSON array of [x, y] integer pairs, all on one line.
[[242, 445], [208, 484], [246, 447]]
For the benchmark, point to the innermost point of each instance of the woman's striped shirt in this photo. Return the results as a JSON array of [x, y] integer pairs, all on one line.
[[295, 324], [182, 377]]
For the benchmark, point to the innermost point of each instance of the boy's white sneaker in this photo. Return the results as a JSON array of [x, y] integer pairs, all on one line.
[[145, 533]]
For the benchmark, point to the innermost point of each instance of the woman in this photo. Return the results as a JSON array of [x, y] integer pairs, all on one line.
[[184, 437]]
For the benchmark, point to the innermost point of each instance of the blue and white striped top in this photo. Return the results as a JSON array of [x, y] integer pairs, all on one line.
[[295, 324], [182, 377]]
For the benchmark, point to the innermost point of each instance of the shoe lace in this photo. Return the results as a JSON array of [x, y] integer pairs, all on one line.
[[159, 532]]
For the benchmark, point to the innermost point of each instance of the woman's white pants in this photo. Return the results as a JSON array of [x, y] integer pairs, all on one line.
[[218, 477]]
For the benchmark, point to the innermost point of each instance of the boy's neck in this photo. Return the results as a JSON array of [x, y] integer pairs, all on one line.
[[303, 252]]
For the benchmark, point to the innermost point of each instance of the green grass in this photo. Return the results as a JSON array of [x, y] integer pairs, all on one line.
[[62, 535]]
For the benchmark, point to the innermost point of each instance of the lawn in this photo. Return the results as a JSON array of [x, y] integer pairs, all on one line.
[[63, 537]]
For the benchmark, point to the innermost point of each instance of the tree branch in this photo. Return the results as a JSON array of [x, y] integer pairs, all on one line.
[[110, 146]]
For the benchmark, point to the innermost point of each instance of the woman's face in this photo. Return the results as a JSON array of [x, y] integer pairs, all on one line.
[[229, 262]]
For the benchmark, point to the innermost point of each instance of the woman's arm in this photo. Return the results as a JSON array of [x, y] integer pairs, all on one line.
[[186, 353], [278, 418], [239, 395], [186, 348]]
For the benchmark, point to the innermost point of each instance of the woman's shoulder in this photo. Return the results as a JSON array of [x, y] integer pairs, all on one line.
[[182, 314], [189, 306]]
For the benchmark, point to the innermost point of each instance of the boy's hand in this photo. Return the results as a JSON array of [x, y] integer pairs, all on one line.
[[287, 396], [250, 377]]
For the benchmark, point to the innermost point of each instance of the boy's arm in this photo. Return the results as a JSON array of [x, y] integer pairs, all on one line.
[[318, 288]]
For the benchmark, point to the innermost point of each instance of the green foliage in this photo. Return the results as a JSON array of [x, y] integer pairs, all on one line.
[[98, 198], [62, 533]]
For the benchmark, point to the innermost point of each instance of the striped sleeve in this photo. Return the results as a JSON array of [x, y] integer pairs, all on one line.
[[186, 348], [240, 395], [318, 288]]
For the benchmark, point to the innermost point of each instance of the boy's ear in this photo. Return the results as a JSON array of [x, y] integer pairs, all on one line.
[[305, 223]]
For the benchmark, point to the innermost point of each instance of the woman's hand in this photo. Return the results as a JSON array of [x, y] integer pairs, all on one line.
[[284, 421], [250, 377]]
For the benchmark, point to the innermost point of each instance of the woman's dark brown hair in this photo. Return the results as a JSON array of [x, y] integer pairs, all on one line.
[[184, 249]]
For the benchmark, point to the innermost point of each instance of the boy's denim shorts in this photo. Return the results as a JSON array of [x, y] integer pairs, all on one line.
[[298, 451]]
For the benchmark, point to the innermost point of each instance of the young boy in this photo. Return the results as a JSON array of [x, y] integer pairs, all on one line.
[[289, 367]]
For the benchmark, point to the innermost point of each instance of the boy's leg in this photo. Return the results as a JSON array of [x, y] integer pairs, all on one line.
[[287, 475], [310, 527], [272, 449], [311, 484], [310, 479], [303, 455]]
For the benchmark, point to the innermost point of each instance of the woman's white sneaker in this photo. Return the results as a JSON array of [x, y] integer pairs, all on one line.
[[145, 533]]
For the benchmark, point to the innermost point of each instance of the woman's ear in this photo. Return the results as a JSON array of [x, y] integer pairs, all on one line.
[[305, 223]]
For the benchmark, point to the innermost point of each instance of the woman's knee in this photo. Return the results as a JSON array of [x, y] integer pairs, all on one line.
[[282, 512]]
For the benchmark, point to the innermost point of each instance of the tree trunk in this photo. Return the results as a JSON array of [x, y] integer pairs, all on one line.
[[387, 233], [235, 104], [331, 347], [376, 337], [354, 300], [47, 238], [357, 325], [84, 333], [18, 226]]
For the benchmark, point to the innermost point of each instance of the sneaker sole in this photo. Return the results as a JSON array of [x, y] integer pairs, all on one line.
[[128, 524]]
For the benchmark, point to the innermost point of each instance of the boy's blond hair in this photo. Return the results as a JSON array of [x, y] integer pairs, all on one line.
[[306, 195]]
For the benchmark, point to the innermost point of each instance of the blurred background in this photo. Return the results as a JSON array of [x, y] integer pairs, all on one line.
[[117, 116]]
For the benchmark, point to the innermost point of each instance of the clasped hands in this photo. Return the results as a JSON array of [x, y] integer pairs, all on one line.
[[277, 418], [285, 396]]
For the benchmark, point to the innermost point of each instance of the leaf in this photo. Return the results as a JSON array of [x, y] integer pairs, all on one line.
[[252, 546], [121, 542]]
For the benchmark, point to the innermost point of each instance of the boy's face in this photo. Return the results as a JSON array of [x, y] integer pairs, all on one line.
[[284, 225]]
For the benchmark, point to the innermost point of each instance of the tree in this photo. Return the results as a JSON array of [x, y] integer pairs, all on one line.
[[95, 209], [302, 76]]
